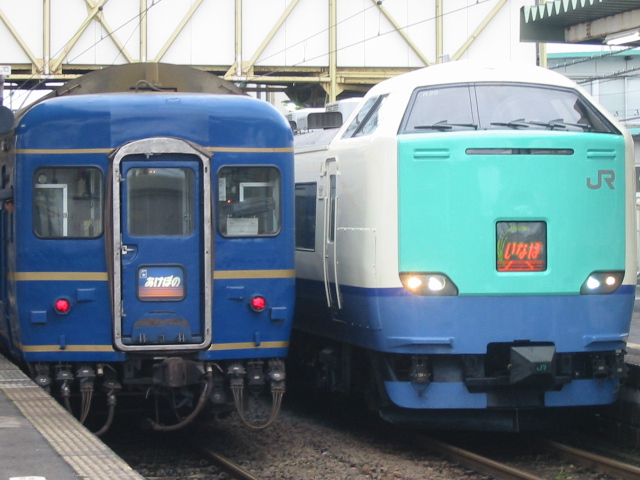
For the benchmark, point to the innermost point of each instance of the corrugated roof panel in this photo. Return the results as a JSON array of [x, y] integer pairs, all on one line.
[[573, 12], [546, 22]]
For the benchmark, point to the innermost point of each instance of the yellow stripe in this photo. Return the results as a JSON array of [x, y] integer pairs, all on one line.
[[60, 276], [635, 346], [249, 150], [68, 348], [238, 274], [72, 151], [103, 277], [109, 348], [247, 346], [62, 151]]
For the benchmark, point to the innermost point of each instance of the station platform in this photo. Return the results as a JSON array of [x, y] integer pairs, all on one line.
[[40, 440]]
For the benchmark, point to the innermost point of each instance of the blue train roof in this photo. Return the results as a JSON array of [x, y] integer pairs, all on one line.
[[110, 120]]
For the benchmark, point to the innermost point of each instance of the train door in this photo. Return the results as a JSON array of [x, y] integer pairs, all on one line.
[[162, 246], [329, 184]]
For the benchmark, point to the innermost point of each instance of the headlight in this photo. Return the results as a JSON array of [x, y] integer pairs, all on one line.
[[601, 282], [428, 284]]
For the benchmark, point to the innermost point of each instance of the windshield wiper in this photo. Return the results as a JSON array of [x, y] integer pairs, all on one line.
[[518, 123], [551, 124], [560, 123], [444, 125]]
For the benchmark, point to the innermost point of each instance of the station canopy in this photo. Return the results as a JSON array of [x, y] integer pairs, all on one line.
[[592, 22]]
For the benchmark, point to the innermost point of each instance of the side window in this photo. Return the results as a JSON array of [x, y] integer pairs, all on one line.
[[68, 202], [249, 201], [306, 216], [366, 120]]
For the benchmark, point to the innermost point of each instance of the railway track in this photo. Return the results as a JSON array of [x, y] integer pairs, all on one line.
[[496, 469], [559, 457], [469, 459], [235, 471], [476, 462], [306, 444], [591, 460]]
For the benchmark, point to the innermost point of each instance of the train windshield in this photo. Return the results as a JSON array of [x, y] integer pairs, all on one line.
[[366, 121], [501, 107]]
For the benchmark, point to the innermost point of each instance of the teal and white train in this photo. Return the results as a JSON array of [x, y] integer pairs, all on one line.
[[466, 250]]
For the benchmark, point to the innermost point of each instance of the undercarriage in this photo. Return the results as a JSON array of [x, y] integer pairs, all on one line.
[[171, 392]]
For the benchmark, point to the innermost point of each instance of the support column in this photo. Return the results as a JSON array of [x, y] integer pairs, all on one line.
[[238, 16], [46, 37], [541, 48], [333, 53], [439, 34], [143, 31]]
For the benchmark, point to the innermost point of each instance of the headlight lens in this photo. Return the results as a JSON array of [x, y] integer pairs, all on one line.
[[598, 283], [428, 284]]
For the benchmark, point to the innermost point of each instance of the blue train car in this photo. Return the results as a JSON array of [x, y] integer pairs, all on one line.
[[148, 244], [466, 249]]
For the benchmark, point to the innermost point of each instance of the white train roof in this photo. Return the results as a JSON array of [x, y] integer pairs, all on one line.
[[466, 71], [472, 71]]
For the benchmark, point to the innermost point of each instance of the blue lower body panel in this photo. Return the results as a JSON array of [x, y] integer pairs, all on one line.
[[505, 354], [456, 395], [395, 321]]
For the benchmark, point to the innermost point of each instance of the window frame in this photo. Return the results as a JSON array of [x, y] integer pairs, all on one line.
[[134, 225], [98, 198], [277, 200], [370, 108], [601, 123], [310, 220]]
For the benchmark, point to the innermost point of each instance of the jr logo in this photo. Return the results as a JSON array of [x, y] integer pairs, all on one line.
[[607, 175]]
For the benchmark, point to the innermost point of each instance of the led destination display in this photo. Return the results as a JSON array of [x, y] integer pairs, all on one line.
[[521, 246]]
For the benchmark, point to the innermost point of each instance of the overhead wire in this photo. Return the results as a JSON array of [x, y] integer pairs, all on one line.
[[306, 39], [590, 58], [606, 77], [288, 47], [256, 79], [26, 92], [588, 80], [610, 76]]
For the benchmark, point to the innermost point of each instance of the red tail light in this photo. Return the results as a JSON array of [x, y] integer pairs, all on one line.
[[258, 303], [62, 306]]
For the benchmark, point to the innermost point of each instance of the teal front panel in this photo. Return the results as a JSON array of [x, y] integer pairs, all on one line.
[[455, 187]]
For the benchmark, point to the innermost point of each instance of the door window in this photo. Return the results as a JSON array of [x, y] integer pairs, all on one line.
[[160, 201], [332, 207]]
